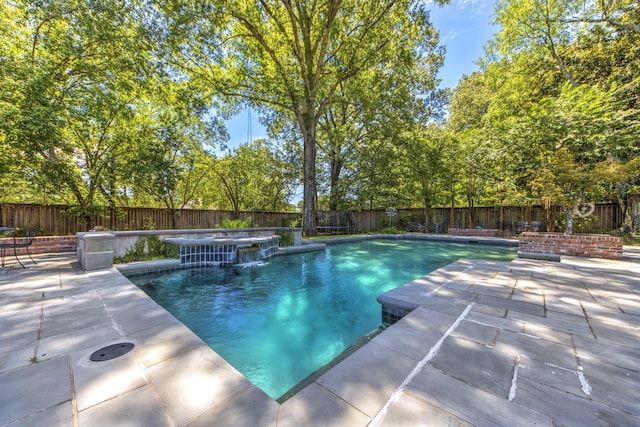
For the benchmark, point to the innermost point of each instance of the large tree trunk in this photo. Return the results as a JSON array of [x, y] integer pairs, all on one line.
[[452, 210], [168, 203], [426, 209], [632, 213], [630, 206], [174, 218], [550, 216], [471, 218], [334, 195], [310, 188]]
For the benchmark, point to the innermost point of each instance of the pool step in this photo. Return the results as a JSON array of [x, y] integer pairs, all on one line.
[[437, 288]]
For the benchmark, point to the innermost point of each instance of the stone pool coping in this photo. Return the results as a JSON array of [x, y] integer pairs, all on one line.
[[502, 343], [489, 241], [159, 266]]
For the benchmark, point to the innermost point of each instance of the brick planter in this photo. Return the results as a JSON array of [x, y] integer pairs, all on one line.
[[478, 232], [553, 245], [47, 245]]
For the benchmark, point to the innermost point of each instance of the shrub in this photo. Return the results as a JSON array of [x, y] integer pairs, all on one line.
[[286, 237], [390, 230], [406, 217], [32, 230], [235, 223], [149, 248]]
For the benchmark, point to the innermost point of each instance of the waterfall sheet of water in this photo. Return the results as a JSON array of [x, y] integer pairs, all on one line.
[[248, 255]]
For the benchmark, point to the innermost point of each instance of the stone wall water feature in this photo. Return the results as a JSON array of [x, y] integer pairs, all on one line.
[[121, 242], [224, 251]]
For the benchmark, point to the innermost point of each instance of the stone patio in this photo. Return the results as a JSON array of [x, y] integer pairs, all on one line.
[[490, 344]]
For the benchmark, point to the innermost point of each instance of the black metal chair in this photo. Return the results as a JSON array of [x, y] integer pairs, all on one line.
[[416, 227], [4, 245], [19, 242]]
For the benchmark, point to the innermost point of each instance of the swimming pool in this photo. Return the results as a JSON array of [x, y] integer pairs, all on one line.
[[279, 322]]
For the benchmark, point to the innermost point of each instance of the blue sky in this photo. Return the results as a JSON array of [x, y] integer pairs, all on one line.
[[465, 27]]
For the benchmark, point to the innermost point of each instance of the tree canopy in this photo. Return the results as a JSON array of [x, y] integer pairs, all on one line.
[[305, 60], [108, 104]]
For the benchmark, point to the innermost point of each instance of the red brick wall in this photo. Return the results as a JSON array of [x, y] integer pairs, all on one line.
[[46, 244], [584, 245], [480, 232]]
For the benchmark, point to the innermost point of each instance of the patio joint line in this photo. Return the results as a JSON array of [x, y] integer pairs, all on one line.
[[38, 333], [395, 397], [586, 318], [444, 285], [74, 397], [337, 396], [514, 379]]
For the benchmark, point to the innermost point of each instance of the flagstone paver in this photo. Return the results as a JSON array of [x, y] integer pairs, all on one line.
[[489, 344]]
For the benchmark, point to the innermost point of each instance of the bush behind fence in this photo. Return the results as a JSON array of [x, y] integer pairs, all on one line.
[[54, 222]]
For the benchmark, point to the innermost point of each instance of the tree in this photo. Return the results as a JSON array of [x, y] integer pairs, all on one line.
[[379, 183], [293, 56], [388, 99], [252, 177], [535, 26], [621, 15], [558, 72], [69, 74], [170, 163], [470, 102], [424, 153], [89, 110]]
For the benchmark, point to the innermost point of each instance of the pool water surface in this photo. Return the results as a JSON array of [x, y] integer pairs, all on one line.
[[279, 322]]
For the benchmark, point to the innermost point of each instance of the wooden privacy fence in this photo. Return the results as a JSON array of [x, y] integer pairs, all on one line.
[[54, 222], [605, 217]]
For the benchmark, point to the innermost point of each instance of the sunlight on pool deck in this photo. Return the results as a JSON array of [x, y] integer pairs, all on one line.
[[491, 343]]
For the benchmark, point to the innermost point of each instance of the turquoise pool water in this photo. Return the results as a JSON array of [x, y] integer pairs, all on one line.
[[280, 322]]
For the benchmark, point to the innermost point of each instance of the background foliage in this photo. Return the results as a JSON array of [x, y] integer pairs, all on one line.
[[107, 104]]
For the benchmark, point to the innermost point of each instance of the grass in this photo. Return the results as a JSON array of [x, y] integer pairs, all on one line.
[[629, 239]]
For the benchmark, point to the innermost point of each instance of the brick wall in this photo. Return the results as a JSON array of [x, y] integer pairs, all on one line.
[[480, 232], [45, 245], [583, 245]]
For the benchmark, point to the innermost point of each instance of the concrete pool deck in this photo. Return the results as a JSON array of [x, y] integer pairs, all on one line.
[[491, 344]]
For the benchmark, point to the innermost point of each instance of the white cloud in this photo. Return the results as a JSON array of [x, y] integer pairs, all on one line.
[[475, 7], [451, 35]]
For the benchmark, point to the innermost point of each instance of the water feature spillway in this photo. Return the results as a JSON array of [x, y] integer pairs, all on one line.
[[224, 251]]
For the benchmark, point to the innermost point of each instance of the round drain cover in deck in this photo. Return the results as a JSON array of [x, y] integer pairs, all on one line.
[[111, 352]]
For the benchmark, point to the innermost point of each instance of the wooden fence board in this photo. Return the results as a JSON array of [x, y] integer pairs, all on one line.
[[54, 222]]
